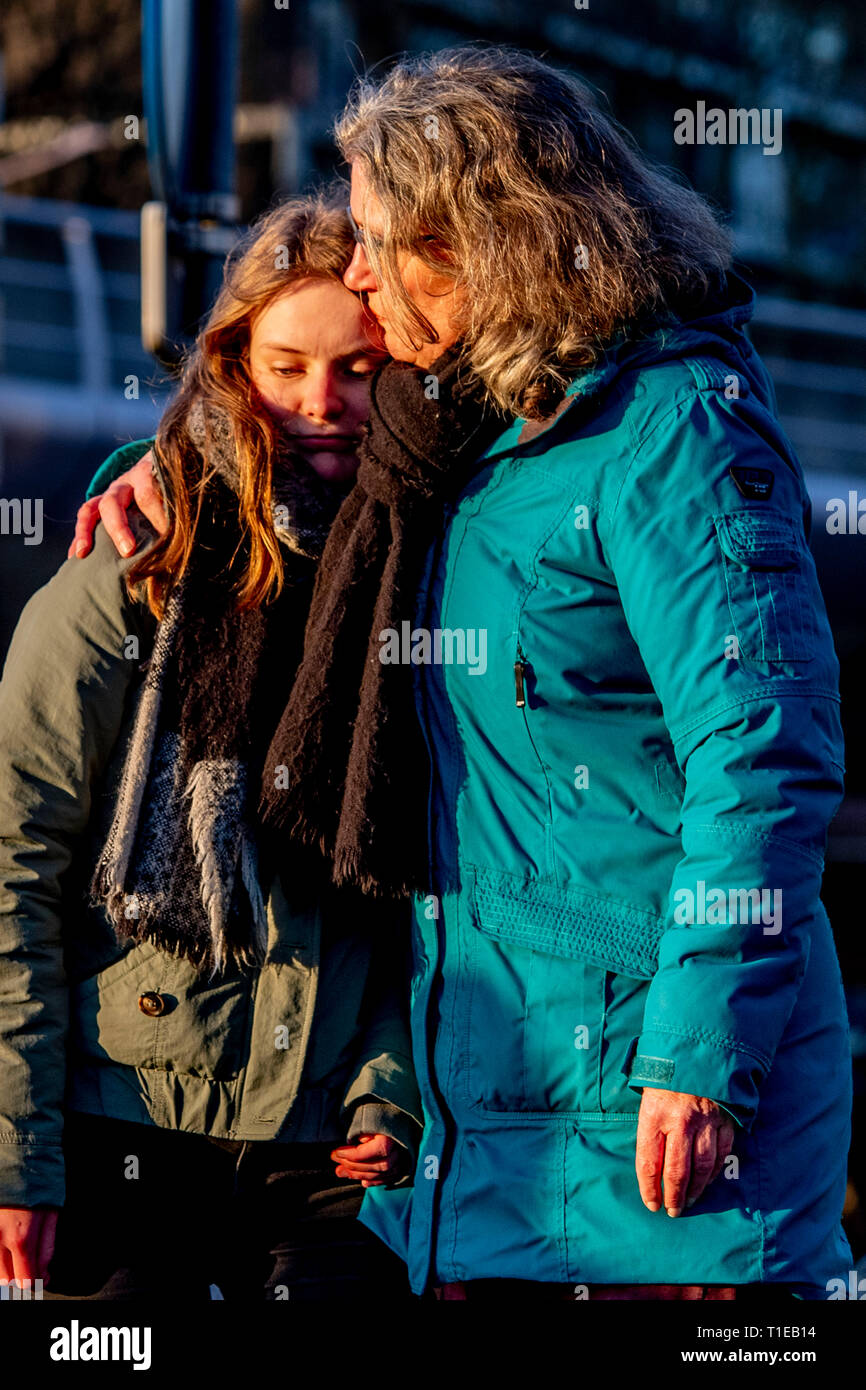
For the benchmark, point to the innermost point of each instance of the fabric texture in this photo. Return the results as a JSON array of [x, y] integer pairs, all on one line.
[[342, 768]]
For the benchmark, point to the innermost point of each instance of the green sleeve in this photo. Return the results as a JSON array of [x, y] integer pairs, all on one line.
[[382, 1092], [62, 700], [117, 463]]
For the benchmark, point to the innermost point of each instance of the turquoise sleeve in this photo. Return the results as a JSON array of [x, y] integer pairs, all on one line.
[[117, 463]]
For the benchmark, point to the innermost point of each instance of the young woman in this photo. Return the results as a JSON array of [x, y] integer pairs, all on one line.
[[196, 1024]]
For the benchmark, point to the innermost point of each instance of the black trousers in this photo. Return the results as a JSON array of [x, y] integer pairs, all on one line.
[[155, 1213]]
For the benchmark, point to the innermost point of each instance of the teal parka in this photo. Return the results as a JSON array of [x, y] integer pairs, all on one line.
[[635, 752], [313, 1047]]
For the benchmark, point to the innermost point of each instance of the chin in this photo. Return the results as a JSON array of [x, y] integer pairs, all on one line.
[[399, 349], [334, 468]]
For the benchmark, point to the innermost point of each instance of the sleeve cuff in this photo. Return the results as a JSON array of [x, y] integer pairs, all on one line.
[[372, 1116], [31, 1174], [698, 1066]]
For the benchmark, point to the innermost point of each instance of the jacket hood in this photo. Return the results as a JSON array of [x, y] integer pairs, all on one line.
[[717, 330]]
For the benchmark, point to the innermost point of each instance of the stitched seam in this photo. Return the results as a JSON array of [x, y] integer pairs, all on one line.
[[640, 444], [714, 1039], [742, 831], [513, 883], [778, 683]]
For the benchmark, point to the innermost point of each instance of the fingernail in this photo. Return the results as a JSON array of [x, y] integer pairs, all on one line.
[[127, 548], [691, 1201], [81, 547], [674, 1211], [653, 1206]]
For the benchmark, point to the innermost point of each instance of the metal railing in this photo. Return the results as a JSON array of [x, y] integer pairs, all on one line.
[[71, 360]]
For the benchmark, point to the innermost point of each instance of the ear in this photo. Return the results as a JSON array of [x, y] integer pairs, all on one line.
[[438, 251]]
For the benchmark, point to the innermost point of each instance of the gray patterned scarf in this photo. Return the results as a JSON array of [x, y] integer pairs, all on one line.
[[182, 864]]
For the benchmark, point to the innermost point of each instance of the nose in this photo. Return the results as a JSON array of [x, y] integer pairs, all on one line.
[[321, 396], [358, 275]]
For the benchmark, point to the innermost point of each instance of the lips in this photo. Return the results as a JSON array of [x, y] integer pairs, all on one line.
[[331, 443]]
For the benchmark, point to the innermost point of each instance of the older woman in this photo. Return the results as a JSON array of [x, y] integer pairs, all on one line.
[[627, 1003]]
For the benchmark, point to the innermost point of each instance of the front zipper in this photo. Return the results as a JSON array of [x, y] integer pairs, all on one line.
[[520, 678], [521, 663], [519, 685]]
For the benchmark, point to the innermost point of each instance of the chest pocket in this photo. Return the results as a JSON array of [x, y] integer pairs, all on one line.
[[197, 1029], [772, 594]]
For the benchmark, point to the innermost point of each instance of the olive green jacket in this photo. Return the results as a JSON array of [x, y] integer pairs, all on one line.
[[312, 1047]]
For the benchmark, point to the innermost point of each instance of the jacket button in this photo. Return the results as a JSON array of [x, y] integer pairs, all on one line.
[[151, 1003]]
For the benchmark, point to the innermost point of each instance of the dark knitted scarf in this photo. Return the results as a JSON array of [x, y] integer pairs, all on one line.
[[182, 863], [347, 770]]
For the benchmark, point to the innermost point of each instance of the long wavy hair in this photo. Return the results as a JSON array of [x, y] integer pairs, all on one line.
[[560, 231], [303, 238]]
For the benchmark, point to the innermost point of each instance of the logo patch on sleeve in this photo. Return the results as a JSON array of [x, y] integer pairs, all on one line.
[[754, 483]]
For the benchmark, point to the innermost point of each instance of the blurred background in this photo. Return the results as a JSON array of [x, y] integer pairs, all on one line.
[[75, 172]]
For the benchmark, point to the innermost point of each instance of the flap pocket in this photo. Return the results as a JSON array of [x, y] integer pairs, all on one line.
[[773, 594], [568, 922], [759, 540]]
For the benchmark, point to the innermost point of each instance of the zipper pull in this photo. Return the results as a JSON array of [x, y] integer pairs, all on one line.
[[519, 686]]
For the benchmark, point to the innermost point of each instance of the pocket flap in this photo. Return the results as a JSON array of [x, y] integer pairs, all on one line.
[[545, 916], [759, 539]]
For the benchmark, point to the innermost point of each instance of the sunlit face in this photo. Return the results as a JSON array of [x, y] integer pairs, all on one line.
[[432, 292], [312, 352]]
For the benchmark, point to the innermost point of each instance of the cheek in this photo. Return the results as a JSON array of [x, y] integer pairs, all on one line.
[[356, 400], [278, 393]]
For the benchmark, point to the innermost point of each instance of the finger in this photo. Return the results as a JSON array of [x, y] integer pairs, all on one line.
[[24, 1261], [677, 1170], [373, 1149], [365, 1170], [7, 1269], [148, 499], [704, 1149], [725, 1136], [85, 525], [47, 1239], [362, 1175], [113, 507], [649, 1158]]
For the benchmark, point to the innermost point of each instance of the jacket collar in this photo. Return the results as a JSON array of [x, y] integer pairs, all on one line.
[[721, 319]]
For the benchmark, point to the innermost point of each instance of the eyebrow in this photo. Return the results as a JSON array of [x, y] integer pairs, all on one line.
[[361, 227], [344, 356]]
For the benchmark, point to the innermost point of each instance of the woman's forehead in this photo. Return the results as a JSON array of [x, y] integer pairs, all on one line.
[[313, 313]]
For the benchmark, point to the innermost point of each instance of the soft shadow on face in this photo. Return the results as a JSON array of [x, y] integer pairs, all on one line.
[[312, 352], [432, 292]]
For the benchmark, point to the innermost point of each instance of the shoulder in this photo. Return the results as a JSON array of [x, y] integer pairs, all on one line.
[[86, 603], [700, 433]]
